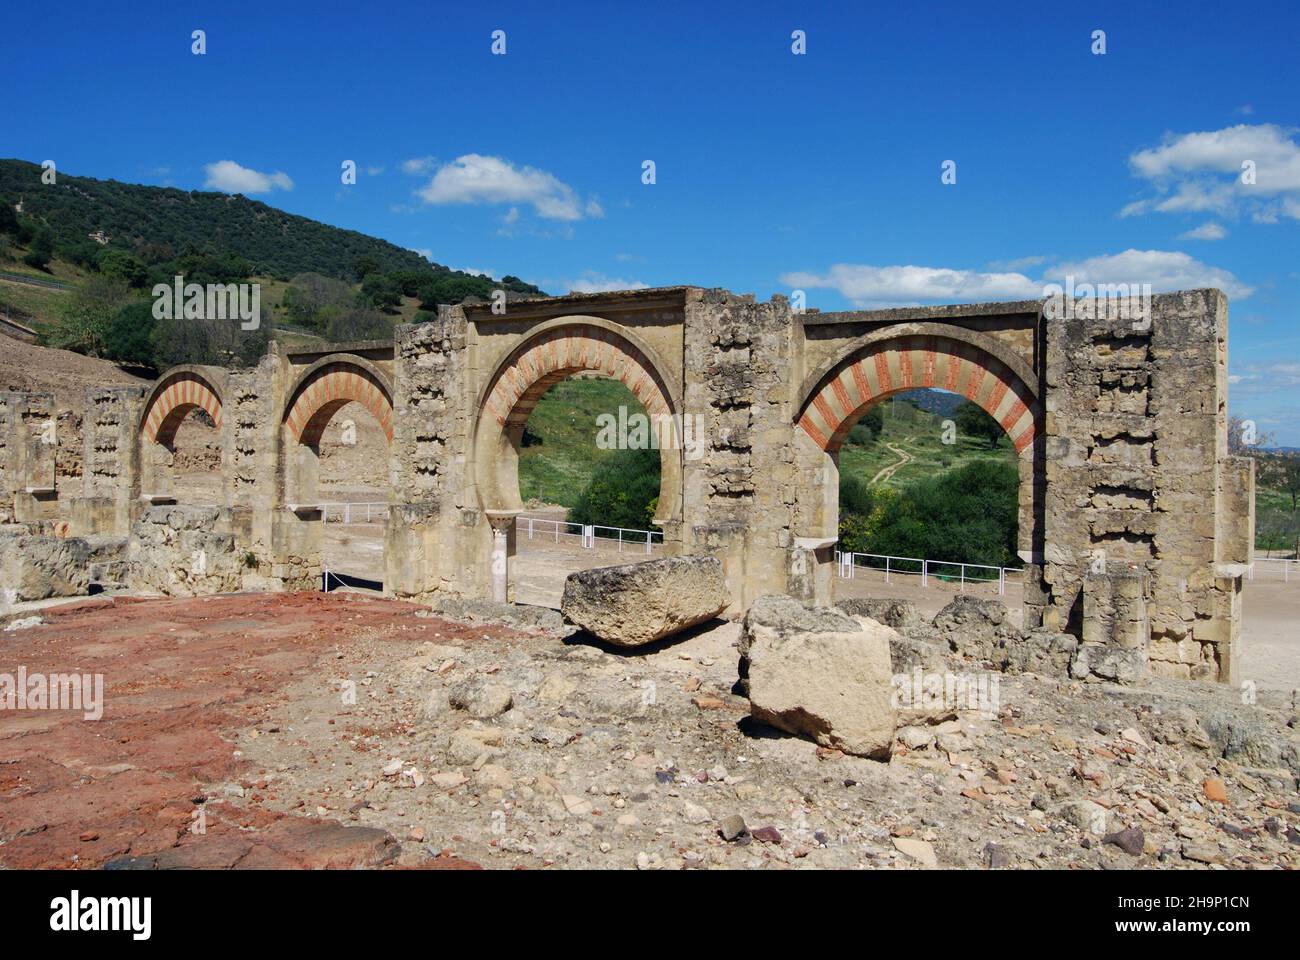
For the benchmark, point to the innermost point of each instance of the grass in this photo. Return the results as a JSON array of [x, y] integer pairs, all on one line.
[[919, 434], [559, 468]]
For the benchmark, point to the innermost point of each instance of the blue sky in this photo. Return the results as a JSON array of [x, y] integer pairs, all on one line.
[[819, 171]]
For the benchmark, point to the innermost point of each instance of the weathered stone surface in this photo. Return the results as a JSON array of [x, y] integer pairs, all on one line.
[[178, 551], [901, 615], [37, 568], [1040, 651], [481, 697], [522, 616], [821, 674], [637, 603], [1092, 662]]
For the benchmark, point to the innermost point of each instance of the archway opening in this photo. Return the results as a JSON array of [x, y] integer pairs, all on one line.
[[578, 456], [335, 481], [193, 458], [590, 477], [927, 471], [181, 456], [353, 487]]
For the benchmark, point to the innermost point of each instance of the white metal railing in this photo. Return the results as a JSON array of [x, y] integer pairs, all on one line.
[[847, 564], [1288, 567], [354, 511], [586, 535]]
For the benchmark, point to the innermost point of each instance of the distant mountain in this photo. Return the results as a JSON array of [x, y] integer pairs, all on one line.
[[175, 222], [939, 402]]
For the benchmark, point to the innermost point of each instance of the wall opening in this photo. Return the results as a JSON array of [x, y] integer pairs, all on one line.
[[335, 471], [181, 447], [923, 449], [929, 502], [578, 435]]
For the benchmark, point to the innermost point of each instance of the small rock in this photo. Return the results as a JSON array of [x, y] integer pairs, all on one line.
[[1215, 789], [919, 850], [694, 813], [767, 834], [575, 804], [1131, 841], [1201, 853], [732, 827]]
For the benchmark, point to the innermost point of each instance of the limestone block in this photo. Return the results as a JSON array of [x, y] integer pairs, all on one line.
[[636, 603]]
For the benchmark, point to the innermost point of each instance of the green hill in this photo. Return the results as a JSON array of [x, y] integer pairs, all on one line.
[[154, 221]]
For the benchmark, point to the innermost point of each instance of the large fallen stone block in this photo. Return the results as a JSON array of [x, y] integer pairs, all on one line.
[[520, 616], [818, 673], [637, 603], [1044, 652], [36, 568], [976, 629]]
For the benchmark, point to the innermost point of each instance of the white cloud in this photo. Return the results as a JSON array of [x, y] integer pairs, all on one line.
[[869, 286], [418, 165], [474, 178], [1265, 379], [1165, 270], [228, 176], [1198, 172], [592, 282], [374, 171], [1206, 231]]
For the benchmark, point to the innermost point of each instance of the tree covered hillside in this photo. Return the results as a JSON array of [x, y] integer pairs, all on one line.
[[161, 223]]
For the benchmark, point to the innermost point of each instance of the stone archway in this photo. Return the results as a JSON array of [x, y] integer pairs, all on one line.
[[553, 352], [322, 390], [908, 362], [885, 363], [178, 393]]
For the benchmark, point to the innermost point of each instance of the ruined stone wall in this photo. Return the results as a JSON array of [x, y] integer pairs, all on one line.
[[435, 525], [110, 461], [739, 498], [31, 456], [1135, 432], [183, 551]]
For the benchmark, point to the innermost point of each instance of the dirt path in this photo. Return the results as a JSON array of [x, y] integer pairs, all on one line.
[[904, 458]]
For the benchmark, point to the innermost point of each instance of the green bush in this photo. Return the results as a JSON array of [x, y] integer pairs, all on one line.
[[41, 250], [967, 515], [128, 338], [623, 492]]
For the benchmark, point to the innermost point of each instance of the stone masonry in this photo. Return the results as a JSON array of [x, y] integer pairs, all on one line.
[[1135, 525]]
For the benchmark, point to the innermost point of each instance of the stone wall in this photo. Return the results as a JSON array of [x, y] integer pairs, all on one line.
[[1135, 524], [183, 551], [1135, 442], [30, 456], [110, 461]]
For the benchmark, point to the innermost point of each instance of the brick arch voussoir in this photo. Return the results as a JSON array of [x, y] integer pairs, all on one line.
[[534, 367], [328, 388], [920, 361], [176, 395]]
